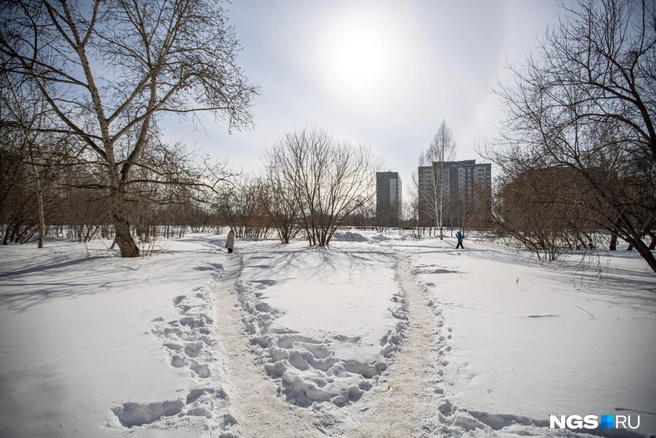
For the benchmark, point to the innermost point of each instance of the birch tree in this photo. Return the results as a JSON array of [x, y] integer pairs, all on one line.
[[442, 149]]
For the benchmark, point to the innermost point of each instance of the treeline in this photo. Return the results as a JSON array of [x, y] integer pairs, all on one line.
[[46, 189], [577, 151], [312, 184]]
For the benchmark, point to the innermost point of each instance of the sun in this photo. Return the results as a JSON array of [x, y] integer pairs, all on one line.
[[357, 59]]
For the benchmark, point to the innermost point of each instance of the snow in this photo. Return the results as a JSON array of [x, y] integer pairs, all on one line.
[[380, 335], [327, 319], [76, 337], [529, 341]]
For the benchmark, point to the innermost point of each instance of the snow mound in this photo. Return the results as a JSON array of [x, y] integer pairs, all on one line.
[[349, 236], [308, 368], [379, 237]]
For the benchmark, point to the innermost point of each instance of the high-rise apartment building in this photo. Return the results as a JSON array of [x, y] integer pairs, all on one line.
[[389, 205], [465, 185]]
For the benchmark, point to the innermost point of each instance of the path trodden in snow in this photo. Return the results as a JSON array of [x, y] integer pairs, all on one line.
[[399, 406], [375, 337], [253, 402], [324, 323], [269, 289]]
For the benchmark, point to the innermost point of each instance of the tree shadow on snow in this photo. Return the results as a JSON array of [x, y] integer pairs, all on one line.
[[42, 268], [70, 276]]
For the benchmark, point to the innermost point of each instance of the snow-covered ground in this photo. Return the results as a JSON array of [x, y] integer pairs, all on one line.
[[326, 320], [381, 335], [531, 339]]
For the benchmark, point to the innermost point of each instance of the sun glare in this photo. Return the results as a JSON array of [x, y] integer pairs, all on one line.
[[357, 59]]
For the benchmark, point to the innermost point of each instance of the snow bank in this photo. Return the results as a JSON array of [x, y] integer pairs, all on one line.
[[379, 237]]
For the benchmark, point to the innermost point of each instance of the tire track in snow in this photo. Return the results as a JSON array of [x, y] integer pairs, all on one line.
[[401, 404], [253, 402]]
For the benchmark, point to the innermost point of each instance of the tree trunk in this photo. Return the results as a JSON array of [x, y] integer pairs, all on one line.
[[39, 200], [42, 219], [613, 242], [645, 253], [441, 218], [124, 240]]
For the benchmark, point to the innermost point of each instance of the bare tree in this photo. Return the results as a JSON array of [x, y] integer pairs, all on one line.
[[544, 210], [362, 217], [37, 158], [441, 150], [328, 179], [281, 203], [243, 207], [587, 102], [387, 216], [411, 207], [107, 69]]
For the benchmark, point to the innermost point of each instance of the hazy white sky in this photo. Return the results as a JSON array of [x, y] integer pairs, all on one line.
[[382, 73]]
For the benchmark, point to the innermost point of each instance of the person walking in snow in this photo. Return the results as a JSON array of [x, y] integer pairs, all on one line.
[[459, 236], [230, 241]]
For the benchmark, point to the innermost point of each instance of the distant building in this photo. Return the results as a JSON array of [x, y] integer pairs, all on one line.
[[388, 199], [465, 186]]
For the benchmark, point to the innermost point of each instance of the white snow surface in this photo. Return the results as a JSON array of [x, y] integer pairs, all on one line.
[[380, 335], [326, 319]]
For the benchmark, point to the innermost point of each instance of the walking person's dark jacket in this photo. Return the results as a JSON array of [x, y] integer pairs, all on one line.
[[230, 241]]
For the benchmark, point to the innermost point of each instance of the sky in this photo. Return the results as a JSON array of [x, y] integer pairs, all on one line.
[[379, 73]]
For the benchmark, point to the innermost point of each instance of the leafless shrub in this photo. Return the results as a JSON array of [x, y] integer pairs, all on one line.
[[243, 207], [328, 180]]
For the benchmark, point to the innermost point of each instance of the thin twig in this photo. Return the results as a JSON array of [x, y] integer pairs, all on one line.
[[586, 312]]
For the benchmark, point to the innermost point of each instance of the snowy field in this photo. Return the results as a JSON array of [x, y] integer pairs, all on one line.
[[379, 336]]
